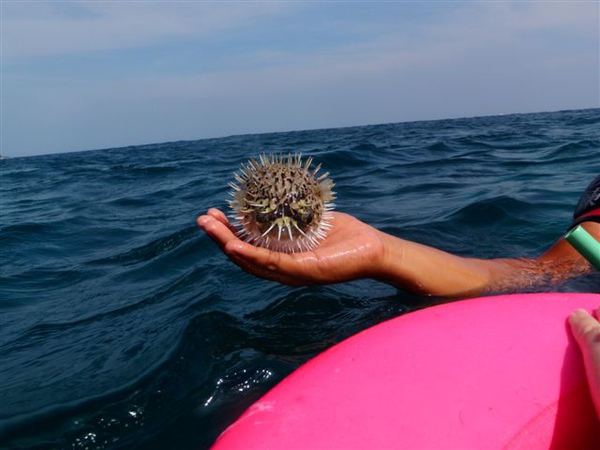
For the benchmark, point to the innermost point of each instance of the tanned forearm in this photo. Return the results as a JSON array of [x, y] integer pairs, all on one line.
[[429, 271]]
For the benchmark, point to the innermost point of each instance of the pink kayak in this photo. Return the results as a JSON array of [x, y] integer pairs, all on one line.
[[497, 372]]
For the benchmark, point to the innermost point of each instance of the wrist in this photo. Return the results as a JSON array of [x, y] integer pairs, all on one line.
[[428, 271], [392, 266]]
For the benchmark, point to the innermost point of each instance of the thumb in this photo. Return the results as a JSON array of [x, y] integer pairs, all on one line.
[[584, 327]]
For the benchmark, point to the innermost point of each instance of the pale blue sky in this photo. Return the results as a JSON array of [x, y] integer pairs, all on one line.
[[82, 75]]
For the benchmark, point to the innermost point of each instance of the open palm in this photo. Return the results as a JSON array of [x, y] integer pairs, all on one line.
[[351, 250]]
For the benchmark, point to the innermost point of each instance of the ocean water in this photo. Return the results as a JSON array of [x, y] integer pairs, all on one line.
[[123, 326]]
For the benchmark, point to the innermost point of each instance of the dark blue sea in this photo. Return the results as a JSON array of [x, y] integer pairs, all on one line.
[[122, 326]]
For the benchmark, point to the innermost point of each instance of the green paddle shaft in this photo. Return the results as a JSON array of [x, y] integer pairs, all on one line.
[[585, 244]]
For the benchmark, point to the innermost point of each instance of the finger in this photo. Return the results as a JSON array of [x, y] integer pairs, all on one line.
[[255, 256], [218, 231], [284, 263], [239, 251], [584, 326], [218, 214], [222, 218], [282, 267]]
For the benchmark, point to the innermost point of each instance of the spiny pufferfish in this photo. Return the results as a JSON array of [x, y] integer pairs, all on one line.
[[281, 203]]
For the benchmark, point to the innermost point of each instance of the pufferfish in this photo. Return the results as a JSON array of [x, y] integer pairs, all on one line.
[[281, 203]]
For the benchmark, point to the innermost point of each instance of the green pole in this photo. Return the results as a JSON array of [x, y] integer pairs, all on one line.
[[585, 244]]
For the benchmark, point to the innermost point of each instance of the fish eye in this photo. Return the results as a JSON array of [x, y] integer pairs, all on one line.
[[304, 216], [264, 216]]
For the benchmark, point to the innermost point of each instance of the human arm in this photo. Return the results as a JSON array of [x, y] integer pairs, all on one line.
[[427, 270], [353, 250]]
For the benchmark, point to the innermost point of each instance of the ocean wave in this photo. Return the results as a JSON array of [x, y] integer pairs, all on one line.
[[124, 326], [150, 250]]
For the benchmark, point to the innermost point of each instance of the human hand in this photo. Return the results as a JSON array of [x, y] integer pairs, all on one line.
[[351, 250], [586, 330]]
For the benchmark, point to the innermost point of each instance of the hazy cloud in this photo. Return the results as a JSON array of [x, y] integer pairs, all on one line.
[[229, 68], [33, 29]]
